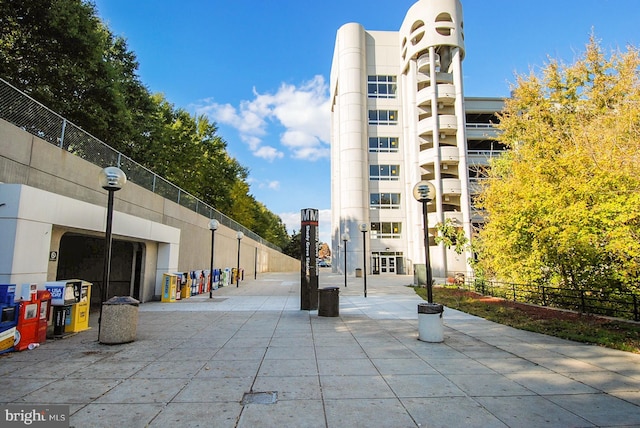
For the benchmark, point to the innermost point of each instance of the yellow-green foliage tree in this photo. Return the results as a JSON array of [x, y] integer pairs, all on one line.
[[563, 204]]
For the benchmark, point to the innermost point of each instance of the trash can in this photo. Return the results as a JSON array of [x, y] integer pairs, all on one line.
[[329, 302], [358, 273], [430, 326], [119, 320]]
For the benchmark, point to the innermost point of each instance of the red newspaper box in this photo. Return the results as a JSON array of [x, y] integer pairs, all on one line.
[[44, 297], [28, 321]]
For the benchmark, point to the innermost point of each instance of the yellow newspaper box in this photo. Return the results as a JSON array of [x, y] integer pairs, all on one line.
[[185, 291], [80, 310], [169, 287]]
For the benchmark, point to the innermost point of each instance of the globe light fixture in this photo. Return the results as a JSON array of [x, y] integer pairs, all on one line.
[[111, 179], [364, 227], [425, 192], [239, 236], [213, 226], [345, 239]]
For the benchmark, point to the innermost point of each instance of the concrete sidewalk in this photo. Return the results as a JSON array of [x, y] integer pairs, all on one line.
[[194, 361]]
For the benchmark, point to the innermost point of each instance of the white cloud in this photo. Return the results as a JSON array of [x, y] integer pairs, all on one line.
[[267, 152], [292, 222], [302, 110], [271, 185], [274, 185]]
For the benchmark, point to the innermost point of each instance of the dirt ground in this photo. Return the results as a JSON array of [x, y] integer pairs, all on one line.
[[537, 312]]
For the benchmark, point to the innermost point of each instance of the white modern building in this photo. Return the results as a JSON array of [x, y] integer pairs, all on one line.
[[399, 116]]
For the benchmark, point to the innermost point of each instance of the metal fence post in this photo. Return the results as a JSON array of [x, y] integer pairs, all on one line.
[[64, 126]]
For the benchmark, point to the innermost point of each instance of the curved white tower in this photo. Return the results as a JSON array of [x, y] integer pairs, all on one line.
[[348, 149], [432, 50]]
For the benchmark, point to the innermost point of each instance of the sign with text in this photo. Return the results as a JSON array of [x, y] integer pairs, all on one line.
[[309, 259], [33, 415]]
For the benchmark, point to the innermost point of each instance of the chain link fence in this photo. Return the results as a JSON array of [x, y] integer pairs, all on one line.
[[26, 113]]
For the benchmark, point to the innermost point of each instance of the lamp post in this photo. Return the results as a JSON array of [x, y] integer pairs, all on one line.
[[111, 179], [345, 239], [239, 235], [363, 228], [425, 192], [213, 226]]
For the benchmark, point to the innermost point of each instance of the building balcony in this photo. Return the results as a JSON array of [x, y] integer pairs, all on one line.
[[425, 78], [424, 61], [448, 125], [446, 95], [423, 66], [454, 216], [448, 155], [451, 186]]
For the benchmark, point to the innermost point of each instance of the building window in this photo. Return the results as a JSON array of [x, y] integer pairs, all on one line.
[[383, 144], [384, 172], [381, 86], [385, 201], [383, 117], [384, 230]]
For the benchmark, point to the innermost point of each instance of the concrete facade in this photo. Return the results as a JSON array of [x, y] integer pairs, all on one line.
[[47, 193], [399, 116]]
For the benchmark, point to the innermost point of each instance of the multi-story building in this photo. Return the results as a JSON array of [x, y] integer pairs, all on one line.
[[399, 116]]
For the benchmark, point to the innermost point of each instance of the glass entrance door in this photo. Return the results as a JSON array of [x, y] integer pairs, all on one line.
[[387, 264]]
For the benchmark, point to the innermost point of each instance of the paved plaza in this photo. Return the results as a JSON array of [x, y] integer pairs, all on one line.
[[249, 357]]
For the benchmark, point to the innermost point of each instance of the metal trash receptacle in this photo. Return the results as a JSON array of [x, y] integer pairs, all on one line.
[[329, 302], [430, 323], [358, 273], [119, 320]]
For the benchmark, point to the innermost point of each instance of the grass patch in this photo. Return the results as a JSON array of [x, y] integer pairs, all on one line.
[[601, 331]]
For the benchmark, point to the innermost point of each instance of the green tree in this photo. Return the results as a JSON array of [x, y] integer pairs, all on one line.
[[452, 235], [60, 53], [270, 226], [563, 204], [293, 247]]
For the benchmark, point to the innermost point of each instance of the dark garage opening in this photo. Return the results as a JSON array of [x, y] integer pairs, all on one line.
[[82, 257]]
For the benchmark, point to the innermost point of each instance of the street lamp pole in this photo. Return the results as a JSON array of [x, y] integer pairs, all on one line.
[[213, 226], [345, 239], [239, 235], [111, 179], [425, 192], [363, 228]]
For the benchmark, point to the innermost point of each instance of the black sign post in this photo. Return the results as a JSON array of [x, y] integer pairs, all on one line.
[[309, 259]]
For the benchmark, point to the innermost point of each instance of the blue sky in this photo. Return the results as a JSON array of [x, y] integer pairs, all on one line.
[[260, 70]]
